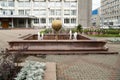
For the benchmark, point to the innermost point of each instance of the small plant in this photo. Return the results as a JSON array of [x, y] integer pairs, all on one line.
[[32, 70], [48, 30]]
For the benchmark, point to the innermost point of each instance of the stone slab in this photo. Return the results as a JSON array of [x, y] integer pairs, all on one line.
[[50, 73]]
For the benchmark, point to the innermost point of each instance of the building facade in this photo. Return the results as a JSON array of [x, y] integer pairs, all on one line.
[[110, 12], [41, 13], [96, 18]]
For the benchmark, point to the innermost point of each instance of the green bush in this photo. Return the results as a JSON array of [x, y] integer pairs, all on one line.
[[79, 28], [104, 31], [49, 30], [74, 30], [106, 35], [110, 31]]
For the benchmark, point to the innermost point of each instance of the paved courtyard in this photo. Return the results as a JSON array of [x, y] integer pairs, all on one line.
[[75, 67]]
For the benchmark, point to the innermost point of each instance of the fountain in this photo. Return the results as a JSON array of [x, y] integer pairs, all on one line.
[[58, 43], [56, 25], [75, 36], [70, 34]]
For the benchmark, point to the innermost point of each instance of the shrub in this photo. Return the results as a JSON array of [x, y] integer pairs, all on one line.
[[74, 30], [32, 70], [112, 31], [79, 28], [49, 30]]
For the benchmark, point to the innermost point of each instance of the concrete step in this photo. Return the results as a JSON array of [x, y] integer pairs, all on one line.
[[63, 52]]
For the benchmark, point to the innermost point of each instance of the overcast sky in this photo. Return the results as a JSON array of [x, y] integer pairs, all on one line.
[[95, 4]]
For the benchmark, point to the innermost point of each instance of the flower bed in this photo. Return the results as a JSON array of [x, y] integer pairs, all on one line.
[[32, 70]]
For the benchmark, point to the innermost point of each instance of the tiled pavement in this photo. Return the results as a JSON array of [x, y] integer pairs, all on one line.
[[84, 67], [75, 67]]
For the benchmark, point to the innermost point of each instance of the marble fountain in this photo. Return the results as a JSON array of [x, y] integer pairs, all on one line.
[[72, 43]]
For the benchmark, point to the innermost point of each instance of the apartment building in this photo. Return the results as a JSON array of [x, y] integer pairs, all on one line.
[[96, 18], [110, 12], [41, 13]]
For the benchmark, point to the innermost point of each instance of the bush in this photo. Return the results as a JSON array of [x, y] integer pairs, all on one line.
[[74, 30], [112, 31], [106, 35], [32, 70], [49, 30], [79, 28]]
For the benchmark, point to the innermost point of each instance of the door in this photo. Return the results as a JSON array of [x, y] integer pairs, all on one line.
[[5, 24]]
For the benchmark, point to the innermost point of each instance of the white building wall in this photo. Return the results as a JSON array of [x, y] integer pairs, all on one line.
[[110, 10], [40, 9]]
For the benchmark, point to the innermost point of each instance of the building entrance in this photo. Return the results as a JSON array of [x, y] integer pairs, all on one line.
[[5, 24]]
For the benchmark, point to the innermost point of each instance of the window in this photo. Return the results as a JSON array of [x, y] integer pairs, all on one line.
[[73, 4], [52, 12], [27, 12], [58, 4], [42, 4], [58, 12], [36, 12], [36, 21], [54, 4], [10, 12], [66, 4], [66, 12], [42, 12], [51, 4], [67, 20], [11, 4], [73, 12], [5, 12], [4, 4], [0, 3], [58, 18], [27, 4], [21, 4], [21, 12], [36, 4], [50, 20], [73, 20], [43, 20]]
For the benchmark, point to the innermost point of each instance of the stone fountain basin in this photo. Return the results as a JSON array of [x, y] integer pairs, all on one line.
[[61, 46]]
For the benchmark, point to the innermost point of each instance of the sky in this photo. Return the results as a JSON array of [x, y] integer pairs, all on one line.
[[95, 4]]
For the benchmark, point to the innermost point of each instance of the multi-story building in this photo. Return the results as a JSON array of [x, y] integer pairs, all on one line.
[[96, 18], [41, 13], [110, 12]]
